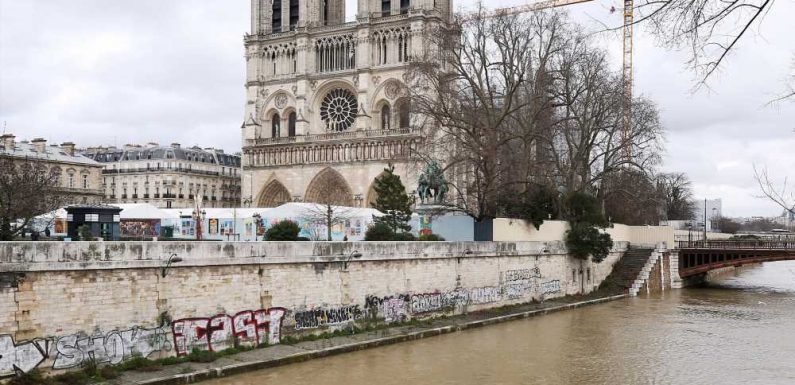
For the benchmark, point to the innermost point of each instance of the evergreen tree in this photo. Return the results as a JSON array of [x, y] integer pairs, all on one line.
[[393, 201]]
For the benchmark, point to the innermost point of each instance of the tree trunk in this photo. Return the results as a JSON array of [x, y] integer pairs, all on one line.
[[5, 230]]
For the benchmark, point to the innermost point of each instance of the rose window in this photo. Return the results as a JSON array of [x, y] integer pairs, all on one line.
[[338, 110]]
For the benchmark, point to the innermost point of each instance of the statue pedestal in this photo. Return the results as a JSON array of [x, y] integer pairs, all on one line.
[[427, 212]]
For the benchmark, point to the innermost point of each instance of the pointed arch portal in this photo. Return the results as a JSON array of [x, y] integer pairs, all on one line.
[[329, 187], [273, 194]]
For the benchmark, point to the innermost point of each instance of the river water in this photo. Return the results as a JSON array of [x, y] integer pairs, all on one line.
[[738, 329]]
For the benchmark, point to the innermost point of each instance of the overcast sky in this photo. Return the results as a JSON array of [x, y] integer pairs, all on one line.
[[114, 72]]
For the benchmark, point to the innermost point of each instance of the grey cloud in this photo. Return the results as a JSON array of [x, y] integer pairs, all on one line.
[[101, 72]]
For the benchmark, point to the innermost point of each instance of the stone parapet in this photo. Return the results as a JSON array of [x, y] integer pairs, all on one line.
[[65, 303]]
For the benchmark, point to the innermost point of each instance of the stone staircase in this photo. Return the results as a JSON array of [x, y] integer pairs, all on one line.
[[632, 272], [630, 267], [643, 275]]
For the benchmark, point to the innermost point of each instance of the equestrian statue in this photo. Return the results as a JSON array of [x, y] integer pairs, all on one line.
[[431, 186]]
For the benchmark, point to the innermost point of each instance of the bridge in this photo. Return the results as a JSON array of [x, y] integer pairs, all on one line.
[[699, 257]]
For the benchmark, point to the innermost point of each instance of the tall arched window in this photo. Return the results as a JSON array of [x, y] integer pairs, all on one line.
[[293, 14], [275, 126], [386, 8], [291, 124], [403, 114], [276, 16], [386, 116], [404, 6]]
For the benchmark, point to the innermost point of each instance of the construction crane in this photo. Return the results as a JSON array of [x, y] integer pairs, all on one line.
[[629, 18]]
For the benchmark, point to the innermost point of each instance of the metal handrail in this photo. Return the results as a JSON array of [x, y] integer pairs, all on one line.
[[739, 244]]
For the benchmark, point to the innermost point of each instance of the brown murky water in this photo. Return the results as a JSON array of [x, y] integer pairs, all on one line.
[[737, 330]]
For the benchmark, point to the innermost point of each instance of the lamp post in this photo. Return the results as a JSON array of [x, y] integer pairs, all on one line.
[[173, 258], [257, 218], [198, 216], [353, 254]]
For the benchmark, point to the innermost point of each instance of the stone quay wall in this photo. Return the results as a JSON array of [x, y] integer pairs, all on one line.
[[63, 303]]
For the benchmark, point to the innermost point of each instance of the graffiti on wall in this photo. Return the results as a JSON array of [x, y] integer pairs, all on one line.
[[112, 347], [521, 282], [72, 350], [315, 318], [222, 331], [550, 287], [391, 308], [456, 299], [22, 357]]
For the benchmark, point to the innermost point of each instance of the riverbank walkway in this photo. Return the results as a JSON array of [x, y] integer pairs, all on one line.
[[282, 354]]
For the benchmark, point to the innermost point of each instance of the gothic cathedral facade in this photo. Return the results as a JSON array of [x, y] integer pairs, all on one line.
[[327, 108]]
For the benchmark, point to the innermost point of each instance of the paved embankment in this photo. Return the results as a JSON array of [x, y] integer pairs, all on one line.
[[283, 354]]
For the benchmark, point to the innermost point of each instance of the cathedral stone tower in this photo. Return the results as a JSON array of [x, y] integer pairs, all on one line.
[[326, 105]]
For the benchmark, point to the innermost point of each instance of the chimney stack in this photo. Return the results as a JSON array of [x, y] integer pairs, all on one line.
[[68, 148], [40, 145], [8, 142]]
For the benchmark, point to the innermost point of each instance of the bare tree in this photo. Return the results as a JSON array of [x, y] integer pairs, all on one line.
[[517, 102], [28, 188], [783, 196], [327, 215], [466, 87], [711, 29], [677, 196], [632, 198]]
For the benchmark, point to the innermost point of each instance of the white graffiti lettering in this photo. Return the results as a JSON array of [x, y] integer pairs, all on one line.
[[22, 357], [550, 287], [113, 347]]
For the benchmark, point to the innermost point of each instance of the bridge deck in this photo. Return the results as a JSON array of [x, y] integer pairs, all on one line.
[[698, 257]]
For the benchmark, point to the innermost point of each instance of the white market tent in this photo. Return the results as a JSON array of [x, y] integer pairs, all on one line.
[[142, 211], [297, 211]]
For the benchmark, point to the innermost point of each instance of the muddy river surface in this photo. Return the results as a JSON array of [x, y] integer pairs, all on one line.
[[738, 329]]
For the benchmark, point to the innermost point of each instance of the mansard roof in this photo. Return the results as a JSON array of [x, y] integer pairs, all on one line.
[[156, 152], [52, 153]]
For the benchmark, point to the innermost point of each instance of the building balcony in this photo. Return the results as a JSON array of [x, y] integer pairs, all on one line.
[[161, 170], [81, 191], [335, 136], [374, 18], [169, 196]]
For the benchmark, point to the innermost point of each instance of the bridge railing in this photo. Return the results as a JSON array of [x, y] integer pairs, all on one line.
[[739, 244]]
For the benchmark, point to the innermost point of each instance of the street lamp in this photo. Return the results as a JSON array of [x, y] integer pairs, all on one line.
[[171, 259], [198, 216], [353, 254], [257, 218]]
